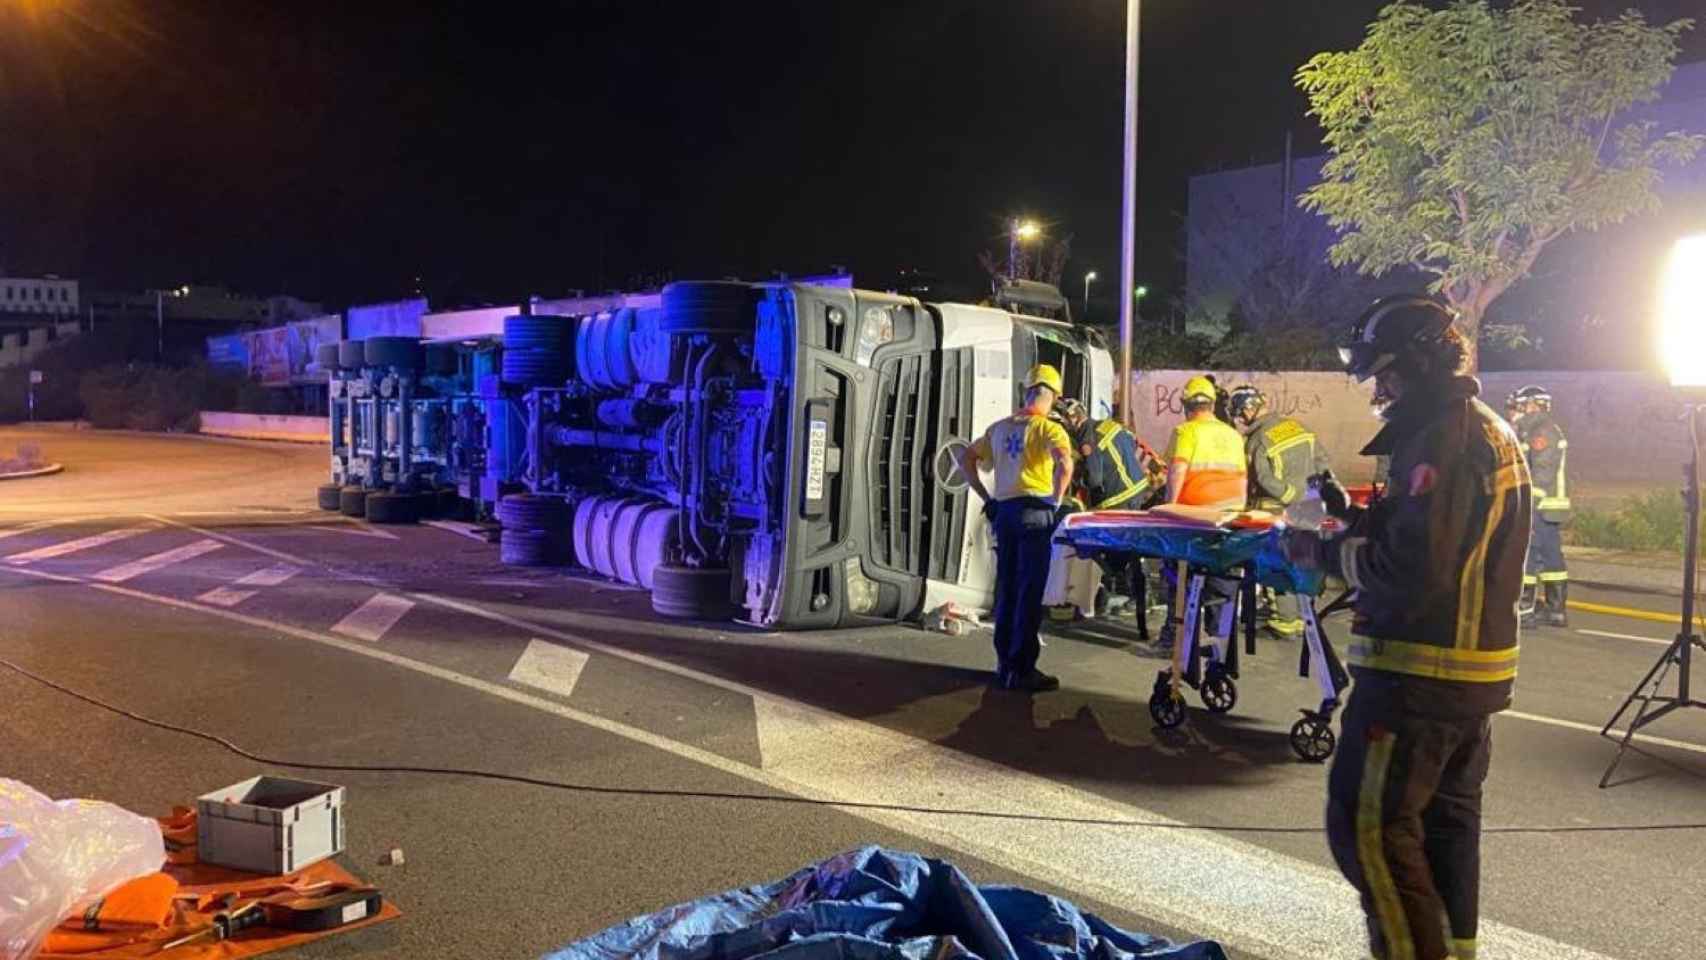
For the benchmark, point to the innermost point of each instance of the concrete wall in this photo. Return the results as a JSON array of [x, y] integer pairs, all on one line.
[[21, 347], [265, 426], [1623, 427]]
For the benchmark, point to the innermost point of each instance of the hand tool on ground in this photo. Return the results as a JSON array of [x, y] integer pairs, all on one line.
[[226, 923], [324, 908]]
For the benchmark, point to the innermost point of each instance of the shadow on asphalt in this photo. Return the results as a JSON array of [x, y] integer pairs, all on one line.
[[1102, 738]]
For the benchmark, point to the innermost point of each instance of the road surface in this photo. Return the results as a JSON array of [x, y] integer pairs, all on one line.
[[191, 581]]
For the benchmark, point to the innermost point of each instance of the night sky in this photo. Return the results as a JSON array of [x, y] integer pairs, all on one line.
[[337, 151]]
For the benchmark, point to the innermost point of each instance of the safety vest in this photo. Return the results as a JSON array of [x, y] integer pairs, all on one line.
[[1548, 453]]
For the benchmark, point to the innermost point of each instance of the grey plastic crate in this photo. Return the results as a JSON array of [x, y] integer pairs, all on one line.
[[270, 824]]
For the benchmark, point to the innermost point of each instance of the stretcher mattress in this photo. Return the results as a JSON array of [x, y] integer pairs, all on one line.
[[1225, 550]]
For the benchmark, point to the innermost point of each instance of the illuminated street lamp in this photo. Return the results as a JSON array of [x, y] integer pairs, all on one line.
[[1087, 278], [1682, 337], [1140, 292], [1018, 232]]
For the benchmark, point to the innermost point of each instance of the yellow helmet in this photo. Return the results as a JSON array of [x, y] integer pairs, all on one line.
[[1198, 388], [1044, 375]]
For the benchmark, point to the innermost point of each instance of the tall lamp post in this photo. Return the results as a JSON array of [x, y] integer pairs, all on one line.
[[1087, 278], [1019, 232], [1128, 214], [1683, 344]]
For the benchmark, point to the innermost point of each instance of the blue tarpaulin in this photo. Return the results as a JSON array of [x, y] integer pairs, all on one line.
[[876, 904], [1216, 550]]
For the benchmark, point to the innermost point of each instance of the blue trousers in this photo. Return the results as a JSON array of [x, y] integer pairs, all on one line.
[[1023, 528]]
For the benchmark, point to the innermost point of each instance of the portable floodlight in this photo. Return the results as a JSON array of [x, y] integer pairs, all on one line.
[[1682, 338], [1682, 313]]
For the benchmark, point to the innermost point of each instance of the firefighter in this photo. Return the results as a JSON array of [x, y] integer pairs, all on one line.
[[1031, 456], [1437, 566], [1546, 580], [1205, 468], [1283, 454], [1117, 471]]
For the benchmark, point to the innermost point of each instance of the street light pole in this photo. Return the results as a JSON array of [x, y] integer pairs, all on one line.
[[1087, 278], [1128, 215]]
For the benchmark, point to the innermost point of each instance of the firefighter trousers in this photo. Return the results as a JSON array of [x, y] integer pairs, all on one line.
[[1023, 528], [1404, 820]]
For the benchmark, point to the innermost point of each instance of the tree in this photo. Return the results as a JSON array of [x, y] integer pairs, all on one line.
[[1464, 140], [1046, 264]]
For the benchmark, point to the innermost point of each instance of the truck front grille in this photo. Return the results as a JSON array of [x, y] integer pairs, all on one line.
[[899, 465]]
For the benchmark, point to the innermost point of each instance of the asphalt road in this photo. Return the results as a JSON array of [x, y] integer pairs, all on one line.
[[188, 580]]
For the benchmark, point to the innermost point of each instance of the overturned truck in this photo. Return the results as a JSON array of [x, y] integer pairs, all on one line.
[[783, 454]]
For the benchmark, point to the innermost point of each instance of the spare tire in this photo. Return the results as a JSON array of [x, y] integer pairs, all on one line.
[[389, 506], [531, 548], [691, 593], [351, 355], [352, 501], [709, 307], [528, 511], [328, 496], [326, 355], [403, 353], [523, 332], [534, 368]]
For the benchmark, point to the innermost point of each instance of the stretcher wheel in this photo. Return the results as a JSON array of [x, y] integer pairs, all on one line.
[[1219, 693], [1312, 738], [1167, 710]]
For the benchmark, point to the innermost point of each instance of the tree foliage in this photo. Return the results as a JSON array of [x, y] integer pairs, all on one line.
[[1464, 140], [1046, 263]]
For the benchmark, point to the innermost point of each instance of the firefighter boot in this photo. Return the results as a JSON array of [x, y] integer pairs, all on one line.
[[1528, 605], [1556, 613]]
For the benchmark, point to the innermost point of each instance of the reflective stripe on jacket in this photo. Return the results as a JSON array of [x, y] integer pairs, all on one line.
[[1113, 468], [1438, 562], [1547, 452], [1283, 454], [1215, 472]]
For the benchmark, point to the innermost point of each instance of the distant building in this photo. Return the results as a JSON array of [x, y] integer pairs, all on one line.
[[1252, 254], [38, 295]]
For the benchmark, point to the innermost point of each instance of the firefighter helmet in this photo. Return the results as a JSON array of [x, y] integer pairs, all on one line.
[[1394, 330], [1244, 401], [1535, 394]]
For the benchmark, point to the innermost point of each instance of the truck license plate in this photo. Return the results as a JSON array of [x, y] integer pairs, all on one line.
[[816, 451]]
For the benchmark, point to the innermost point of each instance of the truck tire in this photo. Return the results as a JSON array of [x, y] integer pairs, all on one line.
[[326, 355], [708, 307], [351, 355], [328, 496], [389, 506], [534, 368], [527, 511], [580, 531], [352, 501], [554, 334], [654, 542], [625, 537], [532, 548], [404, 353], [618, 330], [691, 593], [601, 538]]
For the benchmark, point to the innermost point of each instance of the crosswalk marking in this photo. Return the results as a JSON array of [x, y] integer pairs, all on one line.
[[372, 619], [550, 667], [33, 526], [165, 558], [73, 546], [271, 576], [225, 596]]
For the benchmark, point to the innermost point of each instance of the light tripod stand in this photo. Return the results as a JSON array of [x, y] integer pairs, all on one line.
[[1679, 655]]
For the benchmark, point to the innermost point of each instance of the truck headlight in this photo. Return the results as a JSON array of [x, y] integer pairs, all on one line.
[[862, 592]]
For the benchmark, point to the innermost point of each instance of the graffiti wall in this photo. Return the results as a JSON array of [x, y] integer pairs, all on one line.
[[1624, 428]]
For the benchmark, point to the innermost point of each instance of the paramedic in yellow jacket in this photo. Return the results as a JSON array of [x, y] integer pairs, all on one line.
[[1205, 468], [1031, 456]]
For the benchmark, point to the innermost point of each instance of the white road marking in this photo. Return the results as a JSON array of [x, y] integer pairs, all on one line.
[[469, 530], [1625, 636], [355, 528], [136, 568], [35, 525], [372, 619], [225, 596], [1279, 906], [1590, 728], [75, 546], [271, 576], [549, 667], [234, 541]]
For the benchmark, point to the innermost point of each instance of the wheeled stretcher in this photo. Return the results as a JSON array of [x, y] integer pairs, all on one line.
[[1249, 552]]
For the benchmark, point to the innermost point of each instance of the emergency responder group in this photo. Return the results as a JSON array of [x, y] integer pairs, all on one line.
[[1461, 548]]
